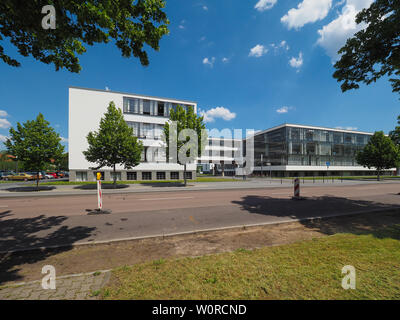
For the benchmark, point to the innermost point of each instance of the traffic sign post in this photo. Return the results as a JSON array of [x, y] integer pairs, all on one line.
[[99, 209], [99, 194], [296, 195]]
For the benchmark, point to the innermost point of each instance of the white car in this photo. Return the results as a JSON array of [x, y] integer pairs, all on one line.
[[48, 176]]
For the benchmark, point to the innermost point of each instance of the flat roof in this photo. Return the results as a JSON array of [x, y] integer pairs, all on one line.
[[310, 127], [134, 94]]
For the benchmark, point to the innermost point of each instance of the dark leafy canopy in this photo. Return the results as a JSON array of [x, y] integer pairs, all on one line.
[[185, 120], [114, 143], [131, 24], [395, 134], [374, 51], [35, 143], [380, 153]]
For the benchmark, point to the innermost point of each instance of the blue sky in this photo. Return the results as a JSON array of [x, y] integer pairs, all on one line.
[[249, 64]]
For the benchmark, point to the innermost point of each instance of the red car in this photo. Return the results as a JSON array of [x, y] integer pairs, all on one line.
[[53, 174]]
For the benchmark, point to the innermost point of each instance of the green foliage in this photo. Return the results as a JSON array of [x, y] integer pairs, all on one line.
[[35, 143], [185, 119], [129, 24], [114, 143], [374, 51], [380, 153], [61, 163], [395, 134]]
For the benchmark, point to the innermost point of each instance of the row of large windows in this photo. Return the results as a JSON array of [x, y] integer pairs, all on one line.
[[146, 130], [305, 134], [131, 176], [149, 107]]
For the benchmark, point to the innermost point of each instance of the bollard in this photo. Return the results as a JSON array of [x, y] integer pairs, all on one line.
[[99, 209], [296, 188], [99, 195]]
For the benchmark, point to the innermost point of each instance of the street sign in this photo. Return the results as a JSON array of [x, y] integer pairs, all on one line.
[[328, 164]]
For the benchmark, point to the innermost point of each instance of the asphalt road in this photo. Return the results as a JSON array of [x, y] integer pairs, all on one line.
[[31, 222]]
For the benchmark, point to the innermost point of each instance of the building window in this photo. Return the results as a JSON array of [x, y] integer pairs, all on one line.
[[146, 107], [117, 176], [131, 105], [160, 109], [131, 176], [174, 175], [160, 175], [146, 175], [221, 143], [189, 175], [81, 176]]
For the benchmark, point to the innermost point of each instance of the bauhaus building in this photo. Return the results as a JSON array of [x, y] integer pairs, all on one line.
[[285, 150]]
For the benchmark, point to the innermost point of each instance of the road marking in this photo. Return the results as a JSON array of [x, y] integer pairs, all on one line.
[[155, 199], [3, 206]]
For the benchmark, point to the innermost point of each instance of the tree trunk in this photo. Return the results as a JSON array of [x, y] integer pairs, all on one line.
[[114, 179], [184, 174], [379, 175]]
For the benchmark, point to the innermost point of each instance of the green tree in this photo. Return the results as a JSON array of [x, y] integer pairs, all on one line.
[[35, 143], [380, 153], [62, 162], [129, 24], [184, 119], [395, 134], [374, 51], [114, 143]]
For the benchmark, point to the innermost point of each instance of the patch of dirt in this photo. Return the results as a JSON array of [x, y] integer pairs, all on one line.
[[89, 258]]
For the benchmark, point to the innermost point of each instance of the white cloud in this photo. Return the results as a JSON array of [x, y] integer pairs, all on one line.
[[334, 35], [205, 8], [283, 44], [209, 62], [4, 124], [284, 109], [296, 62], [306, 12], [65, 140], [347, 128], [3, 138], [3, 113], [263, 5], [258, 51], [218, 112], [225, 60], [181, 26]]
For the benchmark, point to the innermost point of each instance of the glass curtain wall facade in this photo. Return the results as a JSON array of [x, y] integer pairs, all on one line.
[[296, 146]]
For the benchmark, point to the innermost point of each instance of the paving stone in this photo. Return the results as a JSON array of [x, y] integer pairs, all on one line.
[[80, 288]]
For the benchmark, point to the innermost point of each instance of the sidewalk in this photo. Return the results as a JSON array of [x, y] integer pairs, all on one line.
[[83, 286]]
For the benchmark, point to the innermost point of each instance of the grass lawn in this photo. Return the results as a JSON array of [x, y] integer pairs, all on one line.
[[303, 270]]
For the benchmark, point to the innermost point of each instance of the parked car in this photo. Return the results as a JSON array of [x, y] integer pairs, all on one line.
[[4, 174], [47, 176], [53, 174], [34, 174], [20, 177]]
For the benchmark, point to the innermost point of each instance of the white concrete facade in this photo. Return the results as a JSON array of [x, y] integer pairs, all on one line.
[[88, 106]]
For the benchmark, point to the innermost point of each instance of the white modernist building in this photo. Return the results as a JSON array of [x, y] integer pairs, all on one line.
[[145, 114]]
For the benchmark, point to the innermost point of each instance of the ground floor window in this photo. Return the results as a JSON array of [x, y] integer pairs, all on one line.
[[189, 175], [117, 175], [81, 176], [174, 175], [131, 175], [146, 175], [160, 175]]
